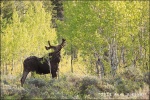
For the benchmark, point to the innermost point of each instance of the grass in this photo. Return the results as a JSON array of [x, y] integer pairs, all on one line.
[[73, 86]]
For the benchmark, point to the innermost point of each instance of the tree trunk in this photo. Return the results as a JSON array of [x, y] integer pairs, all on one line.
[[113, 58], [71, 59], [21, 66], [100, 68], [3, 69], [122, 55], [12, 66], [6, 71]]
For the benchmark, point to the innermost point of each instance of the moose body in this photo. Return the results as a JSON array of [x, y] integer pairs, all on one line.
[[41, 65], [36, 64]]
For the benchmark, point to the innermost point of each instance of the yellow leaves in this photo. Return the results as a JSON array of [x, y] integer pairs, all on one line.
[[28, 33], [38, 6], [124, 39]]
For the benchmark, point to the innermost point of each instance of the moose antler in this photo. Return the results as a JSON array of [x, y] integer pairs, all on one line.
[[47, 48], [58, 47], [50, 46], [49, 43]]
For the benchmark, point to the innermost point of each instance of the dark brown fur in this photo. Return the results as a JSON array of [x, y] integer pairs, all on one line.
[[40, 65]]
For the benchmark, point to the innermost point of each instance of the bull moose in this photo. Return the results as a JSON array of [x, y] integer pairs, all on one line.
[[44, 65]]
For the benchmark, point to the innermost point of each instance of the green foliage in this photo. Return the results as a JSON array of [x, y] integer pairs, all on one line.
[[86, 84], [90, 29], [92, 26], [127, 82], [37, 83], [127, 86], [28, 32], [70, 86], [12, 91], [147, 77]]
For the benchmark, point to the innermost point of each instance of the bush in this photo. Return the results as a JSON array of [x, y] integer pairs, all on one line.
[[12, 91], [71, 86], [91, 87], [87, 82], [133, 74], [36, 82], [147, 78], [92, 92], [126, 85]]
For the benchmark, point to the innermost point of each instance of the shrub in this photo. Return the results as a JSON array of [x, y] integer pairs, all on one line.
[[12, 91], [37, 82], [147, 77], [71, 86], [85, 83], [133, 74], [92, 92], [126, 85]]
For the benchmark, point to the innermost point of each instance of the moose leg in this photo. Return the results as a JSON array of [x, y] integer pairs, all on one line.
[[54, 74], [25, 73], [54, 70]]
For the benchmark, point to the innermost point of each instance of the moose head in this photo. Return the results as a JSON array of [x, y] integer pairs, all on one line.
[[56, 48]]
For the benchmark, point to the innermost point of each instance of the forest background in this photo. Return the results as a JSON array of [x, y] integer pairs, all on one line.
[[107, 48]]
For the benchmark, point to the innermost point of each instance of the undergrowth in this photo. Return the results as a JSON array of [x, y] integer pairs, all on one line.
[[71, 86]]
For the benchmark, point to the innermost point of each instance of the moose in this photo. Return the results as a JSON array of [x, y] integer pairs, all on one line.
[[43, 65]]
